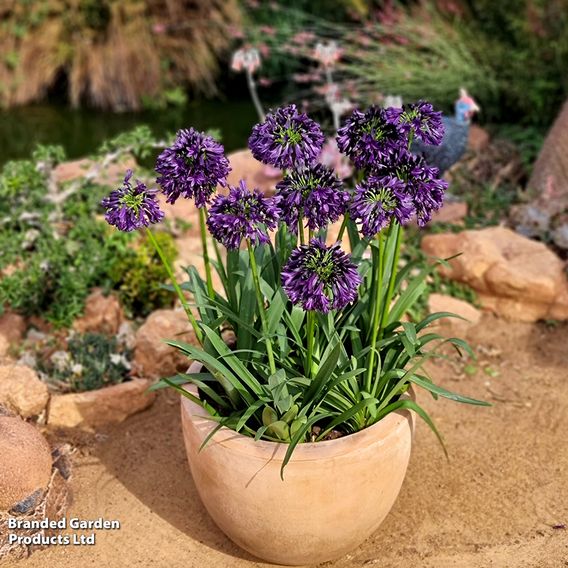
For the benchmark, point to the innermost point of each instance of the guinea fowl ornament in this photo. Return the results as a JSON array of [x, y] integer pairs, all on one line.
[[455, 138]]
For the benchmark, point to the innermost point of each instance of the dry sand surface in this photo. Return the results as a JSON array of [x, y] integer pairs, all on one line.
[[502, 500]]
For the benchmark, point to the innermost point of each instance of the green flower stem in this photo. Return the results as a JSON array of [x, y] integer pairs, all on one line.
[[375, 321], [176, 286], [301, 229], [343, 226], [392, 280], [202, 220], [260, 302], [310, 330]]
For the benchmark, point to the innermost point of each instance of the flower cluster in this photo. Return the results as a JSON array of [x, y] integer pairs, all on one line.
[[397, 184], [192, 167], [132, 207], [287, 139], [421, 119], [315, 193], [242, 215], [377, 200], [368, 137], [320, 278]]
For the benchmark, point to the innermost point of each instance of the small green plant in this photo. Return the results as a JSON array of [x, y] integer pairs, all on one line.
[[138, 276], [90, 361]]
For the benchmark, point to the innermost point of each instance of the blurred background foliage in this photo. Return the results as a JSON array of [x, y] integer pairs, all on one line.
[[153, 54], [112, 53]]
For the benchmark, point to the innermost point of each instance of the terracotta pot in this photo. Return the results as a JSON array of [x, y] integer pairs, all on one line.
[[334, 495]]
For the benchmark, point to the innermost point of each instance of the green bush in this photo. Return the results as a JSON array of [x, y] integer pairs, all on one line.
[[138, 276]]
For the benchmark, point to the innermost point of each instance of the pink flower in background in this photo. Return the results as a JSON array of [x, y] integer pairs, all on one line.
[[328, 54], [303, 38], [291, 49], [159, 28], [364, 40], [235, 32], [264, 82], [303, 77], [245, 59], [332, 158], [268, 30], [264, 50]]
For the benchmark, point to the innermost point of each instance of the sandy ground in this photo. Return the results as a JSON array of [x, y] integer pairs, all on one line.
[[502, 500]]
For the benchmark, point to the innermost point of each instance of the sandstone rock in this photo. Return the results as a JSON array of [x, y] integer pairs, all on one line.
[[22, 390], [92, 409], [515, 277], [256, 174], [152, 357], [546, 215], [25, 467], [444, 303], [51, 504], [113, 174], [12, 329], [12, 326], [190, 253], [103, 314], [451, 212], [478, 138]]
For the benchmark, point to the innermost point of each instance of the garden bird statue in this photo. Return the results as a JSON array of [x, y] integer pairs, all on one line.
[[455, 138]]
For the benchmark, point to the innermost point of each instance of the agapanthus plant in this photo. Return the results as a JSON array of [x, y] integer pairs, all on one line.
[[321, 341]]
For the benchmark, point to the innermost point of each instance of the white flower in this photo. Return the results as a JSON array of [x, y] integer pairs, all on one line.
[[61, 360], [77, 369]]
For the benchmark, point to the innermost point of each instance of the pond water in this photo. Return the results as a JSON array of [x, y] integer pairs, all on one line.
[[81, 131]]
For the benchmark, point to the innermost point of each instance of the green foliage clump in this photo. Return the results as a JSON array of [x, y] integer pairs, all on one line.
[[90, 361], [511, 56], [525, 43], [55, 276], [54, 251], [138, 276], [139, 141]]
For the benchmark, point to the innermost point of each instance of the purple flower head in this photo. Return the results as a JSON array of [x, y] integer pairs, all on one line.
[[242, 215], [428, 193], [316, 193], [377, 200], [422, 182], [368, 137], [420, 118], [131, 207], [320, 278], [192, 167], [287, 139]]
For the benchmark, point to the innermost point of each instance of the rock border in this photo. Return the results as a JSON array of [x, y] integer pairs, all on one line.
[[101, 407]]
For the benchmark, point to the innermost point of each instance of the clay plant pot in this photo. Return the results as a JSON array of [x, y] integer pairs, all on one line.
[[334, 494]]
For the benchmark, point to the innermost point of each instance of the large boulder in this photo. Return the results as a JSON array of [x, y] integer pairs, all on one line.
[[25, 467], [515, 277], [22, 391], [547, 212], [102, 314], [153, 358]]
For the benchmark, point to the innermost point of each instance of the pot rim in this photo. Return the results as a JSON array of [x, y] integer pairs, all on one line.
[[379, 432]]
